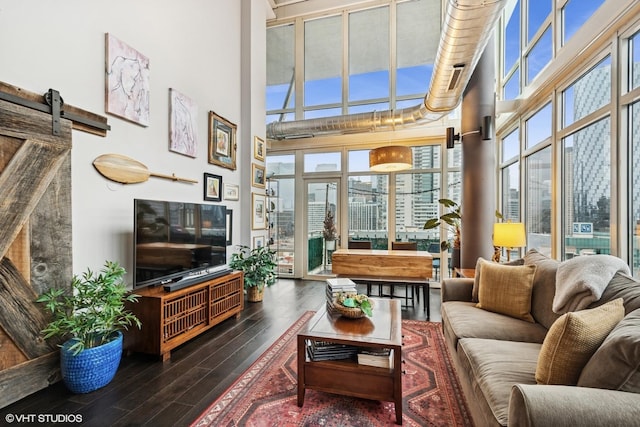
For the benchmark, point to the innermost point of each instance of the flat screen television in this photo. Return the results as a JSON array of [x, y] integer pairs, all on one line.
[[178, 243]]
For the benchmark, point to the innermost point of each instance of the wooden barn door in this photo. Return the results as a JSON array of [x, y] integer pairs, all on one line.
[[35, 243]]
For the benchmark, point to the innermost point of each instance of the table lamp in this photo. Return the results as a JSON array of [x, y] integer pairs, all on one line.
[[510, 235]]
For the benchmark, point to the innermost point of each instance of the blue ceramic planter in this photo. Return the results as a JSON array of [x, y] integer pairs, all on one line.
[[92, 368]]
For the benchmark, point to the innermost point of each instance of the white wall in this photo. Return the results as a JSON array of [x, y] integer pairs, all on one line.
[[193, 46]]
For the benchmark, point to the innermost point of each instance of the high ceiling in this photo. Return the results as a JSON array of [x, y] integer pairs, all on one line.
[[286, 9]]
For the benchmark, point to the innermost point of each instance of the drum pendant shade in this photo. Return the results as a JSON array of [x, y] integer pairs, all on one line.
[[390, 158]]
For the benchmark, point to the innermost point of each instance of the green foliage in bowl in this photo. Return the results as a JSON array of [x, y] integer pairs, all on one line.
[[353, 300]]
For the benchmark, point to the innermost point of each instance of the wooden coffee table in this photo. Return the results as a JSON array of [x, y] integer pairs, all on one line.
[[347, 377]]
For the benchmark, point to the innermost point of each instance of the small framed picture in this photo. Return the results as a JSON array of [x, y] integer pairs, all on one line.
[[212, 187], [258, 148], [258, 241], [222, 141], [231, 191], [257, 175], [258, 211]]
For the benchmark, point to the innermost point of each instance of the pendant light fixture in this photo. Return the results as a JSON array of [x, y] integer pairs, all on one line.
[[390, 158]]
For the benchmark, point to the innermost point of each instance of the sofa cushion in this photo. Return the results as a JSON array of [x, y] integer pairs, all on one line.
[[465, 320], [573, 339], [616, 364], [476, 277], [544, 287], [621, 286], [493, 367], [506, 289]]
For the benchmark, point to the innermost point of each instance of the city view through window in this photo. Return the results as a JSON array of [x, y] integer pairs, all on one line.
[[375, 211]]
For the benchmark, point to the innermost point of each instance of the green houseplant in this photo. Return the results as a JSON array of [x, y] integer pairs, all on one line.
[[91, 317], [259, 267], [453, 218]]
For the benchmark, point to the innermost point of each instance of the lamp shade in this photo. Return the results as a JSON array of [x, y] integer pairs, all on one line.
[[509, 234], [390, 158]]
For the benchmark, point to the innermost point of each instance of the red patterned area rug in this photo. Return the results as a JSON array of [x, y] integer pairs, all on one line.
[[266, 394]]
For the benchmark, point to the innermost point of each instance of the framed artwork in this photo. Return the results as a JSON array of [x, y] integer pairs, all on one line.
[[231, 191], [258, 148], [257, 175], [183, 125], [222, 142], [258, 241], [258, 211], [212, 187], [229, 227], [127, 82]]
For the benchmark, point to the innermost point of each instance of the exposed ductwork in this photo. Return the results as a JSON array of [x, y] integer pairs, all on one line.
[[467, 26]]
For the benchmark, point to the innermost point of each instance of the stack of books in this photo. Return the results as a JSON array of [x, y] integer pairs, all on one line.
[[321, 350], [380, 357], [337, 285]]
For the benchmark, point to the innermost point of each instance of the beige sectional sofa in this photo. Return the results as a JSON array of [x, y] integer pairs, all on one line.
[[496, 356]]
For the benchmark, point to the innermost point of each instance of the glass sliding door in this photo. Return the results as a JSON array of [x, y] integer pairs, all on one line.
[[322, 223]]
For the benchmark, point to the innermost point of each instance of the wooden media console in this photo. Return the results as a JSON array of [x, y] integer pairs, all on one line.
[[170, 319]]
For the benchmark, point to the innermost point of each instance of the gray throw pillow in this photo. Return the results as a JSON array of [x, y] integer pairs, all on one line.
[[621, 286], [616, 364], [544, 287]]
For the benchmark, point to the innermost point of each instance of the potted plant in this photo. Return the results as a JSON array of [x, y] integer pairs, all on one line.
[[90, 317], [258, 265], [453, 218], [329, 232]]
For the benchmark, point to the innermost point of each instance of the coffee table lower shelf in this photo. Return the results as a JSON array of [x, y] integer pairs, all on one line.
[[348, 378]]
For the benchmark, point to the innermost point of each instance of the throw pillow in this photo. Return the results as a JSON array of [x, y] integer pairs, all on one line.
[[572, 340], [506, 289], [616, 364], [544, 287], [476, 281], [622, 286]]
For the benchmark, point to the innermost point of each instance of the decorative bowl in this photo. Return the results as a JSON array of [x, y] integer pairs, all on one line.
[[350, 312]]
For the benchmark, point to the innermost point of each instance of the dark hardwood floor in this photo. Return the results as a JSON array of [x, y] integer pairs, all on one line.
[[146, 391]]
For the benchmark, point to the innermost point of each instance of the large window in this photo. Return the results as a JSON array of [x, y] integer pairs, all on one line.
[[413, 197], [416, 48], [587, 190], [510, 146], [512, 86], [539, 56], [538, 196], [634, 138], [510, 176], [384, 69], [417, 197], [537, 13], [322, 63], [281, 195], [322, 162], [538, 127], [369, 54], [587, 94], [511, 53], [368, 206], [511, 192], [280, 73], [634, 63], [574, 14]]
